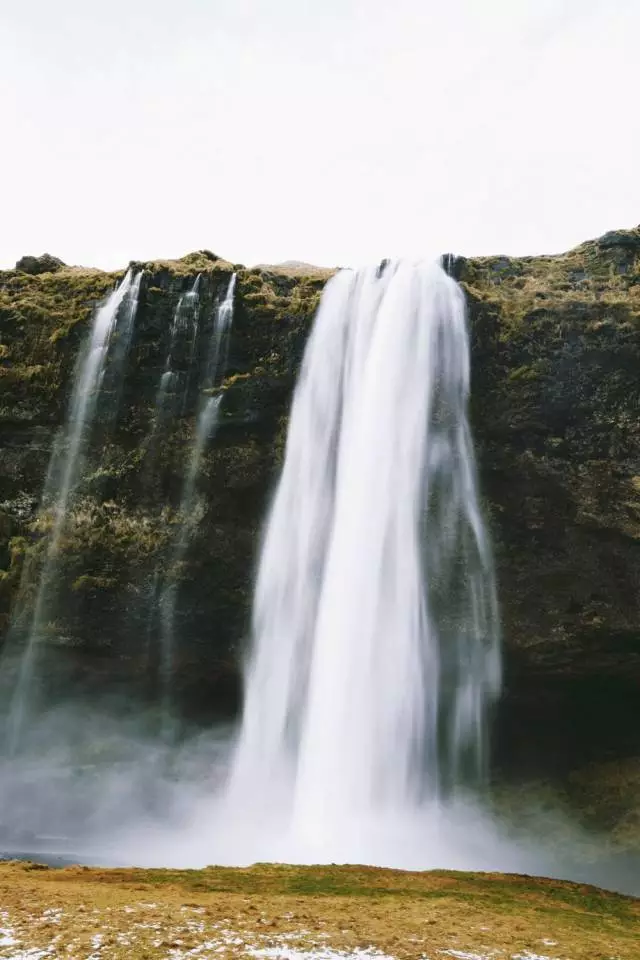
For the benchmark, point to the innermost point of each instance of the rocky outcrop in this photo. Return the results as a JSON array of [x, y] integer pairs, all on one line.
[[44, 264], [555, 404]]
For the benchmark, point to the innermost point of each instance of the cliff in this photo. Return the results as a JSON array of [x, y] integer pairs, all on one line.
[[555, 404]]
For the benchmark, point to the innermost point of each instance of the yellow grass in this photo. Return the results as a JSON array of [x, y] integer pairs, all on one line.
[[293, 911]]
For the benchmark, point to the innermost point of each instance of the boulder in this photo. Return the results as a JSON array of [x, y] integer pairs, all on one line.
[[44, 264]]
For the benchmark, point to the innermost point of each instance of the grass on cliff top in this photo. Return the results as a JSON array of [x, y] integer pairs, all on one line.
[[199, 261], [296, 912], [296, 268], [599, 270]]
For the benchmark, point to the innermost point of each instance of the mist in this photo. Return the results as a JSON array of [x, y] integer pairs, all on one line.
[[90, 788]]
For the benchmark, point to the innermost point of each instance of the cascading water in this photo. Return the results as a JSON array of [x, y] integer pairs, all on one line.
[[375, 629], [205, 427], [185, 320], [64, 474], [193, 300], [112, 380], [174, 383]]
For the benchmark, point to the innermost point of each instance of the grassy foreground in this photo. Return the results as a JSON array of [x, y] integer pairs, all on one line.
[[269, 911]]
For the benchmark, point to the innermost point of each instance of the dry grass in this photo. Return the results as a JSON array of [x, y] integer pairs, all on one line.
[[290, 912], [296, 268]]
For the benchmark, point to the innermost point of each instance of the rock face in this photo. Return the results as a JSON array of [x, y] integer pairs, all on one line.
[[123, 518], [556, 398], [555, 409]]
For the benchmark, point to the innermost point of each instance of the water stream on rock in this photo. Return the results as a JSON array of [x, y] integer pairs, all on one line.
[[206, 425], [173, 387], [117, 313], [375, 629], [185, 321]]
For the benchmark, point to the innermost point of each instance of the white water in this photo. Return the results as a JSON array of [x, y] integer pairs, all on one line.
[[206, 425], [120, 338], [375, 630], [89, 373], [65, 471], [174, 384], [185, 316]]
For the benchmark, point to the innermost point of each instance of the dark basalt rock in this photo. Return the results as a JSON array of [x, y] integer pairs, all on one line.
[[628, 239], [44, 264]]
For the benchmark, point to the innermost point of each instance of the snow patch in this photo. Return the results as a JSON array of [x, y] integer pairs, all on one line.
[[324, 953], [7, 938], [465, 955], [528, 955]]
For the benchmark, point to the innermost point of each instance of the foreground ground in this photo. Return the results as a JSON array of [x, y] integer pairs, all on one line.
[[320, 913]]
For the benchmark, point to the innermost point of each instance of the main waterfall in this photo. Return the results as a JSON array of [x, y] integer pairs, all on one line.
[[375, 630]]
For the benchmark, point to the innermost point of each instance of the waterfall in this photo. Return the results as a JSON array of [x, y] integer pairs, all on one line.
[[375, 631], [112, 382], [65, 472], [206, 424], [193, 300], [175, 380], [185, 320]]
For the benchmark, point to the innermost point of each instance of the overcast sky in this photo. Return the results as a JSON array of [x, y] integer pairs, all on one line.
[[333, 131]]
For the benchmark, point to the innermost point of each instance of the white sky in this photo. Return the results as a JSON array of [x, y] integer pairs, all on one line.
[[334, 131]]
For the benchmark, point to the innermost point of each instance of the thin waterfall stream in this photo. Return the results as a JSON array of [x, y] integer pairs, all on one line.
[[173, 386], [185, 322], [65, 472], [206, 423]]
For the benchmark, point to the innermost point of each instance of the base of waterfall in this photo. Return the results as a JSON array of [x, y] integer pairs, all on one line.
[[306, 913], [462, 835], [116, 800], [455, 836]]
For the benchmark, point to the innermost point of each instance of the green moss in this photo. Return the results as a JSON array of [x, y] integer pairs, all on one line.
[[524, 373], [38, 316], [21, 371], [88, 583], [15, 550], [201, 261]]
